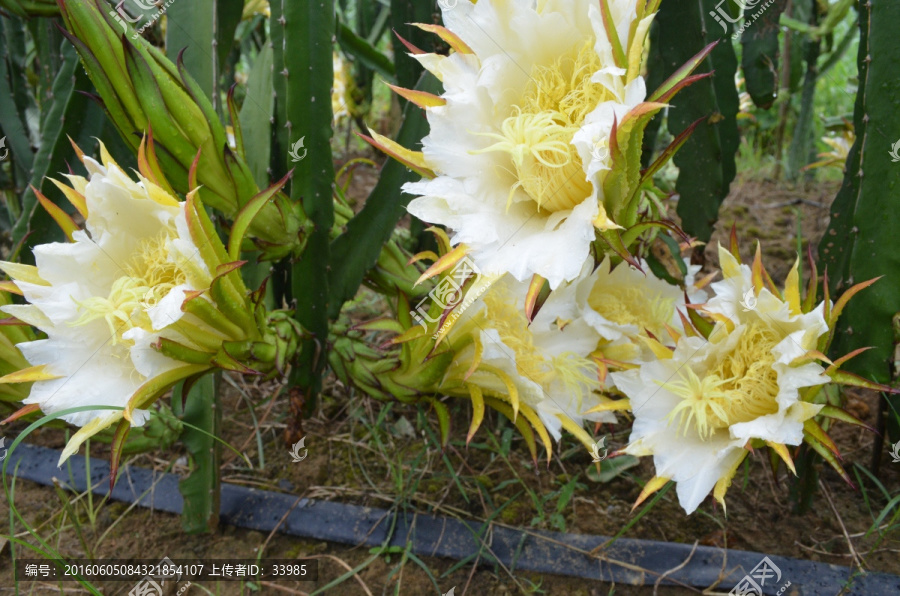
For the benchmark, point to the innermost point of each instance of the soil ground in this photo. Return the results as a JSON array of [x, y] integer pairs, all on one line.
[[368, 453]]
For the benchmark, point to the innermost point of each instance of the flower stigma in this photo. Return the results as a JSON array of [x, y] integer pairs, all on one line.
[[538, 135], [149, 277], [742, 386]]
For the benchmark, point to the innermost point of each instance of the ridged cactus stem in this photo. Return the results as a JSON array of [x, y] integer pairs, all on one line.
[[306, 73], [707, 162], [861, 242], [803, 132]]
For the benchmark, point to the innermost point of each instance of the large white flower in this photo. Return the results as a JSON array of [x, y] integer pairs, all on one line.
[[135, 276], [520, 139], [696, 411], [544, 367]]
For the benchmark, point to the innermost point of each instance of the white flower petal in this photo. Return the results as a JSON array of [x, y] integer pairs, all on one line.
[[65, 263], [692, 491], [94, 375], [146, 359], [168, 310]]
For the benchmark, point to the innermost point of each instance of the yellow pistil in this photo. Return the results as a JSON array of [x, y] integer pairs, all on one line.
[[538, 135], [632, 305], [741, 387], [149, 276]]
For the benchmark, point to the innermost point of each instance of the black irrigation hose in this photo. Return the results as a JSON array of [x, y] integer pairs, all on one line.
[[543, 552]]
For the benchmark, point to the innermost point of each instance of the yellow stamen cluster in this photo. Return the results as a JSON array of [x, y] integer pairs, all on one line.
[[149, 276], [538, 136], [631, 305], [741, 387]]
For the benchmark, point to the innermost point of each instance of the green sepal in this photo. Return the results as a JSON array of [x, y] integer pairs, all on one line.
[[89, 23], [244, 186], [676, 80], [443, 416], [668, 153], [248, 213], [811, 428], [847, 378], [614, 239], [390, 325], [844, 416], [828, 456], [107, 94], [204, 235], [232, 303], [622, 186], [224, 360], [520, 422], [704, 326], [156, 386], [205, 311], [115, 456], [182, 353]]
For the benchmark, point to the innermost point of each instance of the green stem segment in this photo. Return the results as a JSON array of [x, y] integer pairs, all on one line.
[[802, 143], [707, 162], [202, 409], [307, 59], [863, 239]]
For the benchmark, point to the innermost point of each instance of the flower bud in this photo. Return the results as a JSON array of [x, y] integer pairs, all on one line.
[[143, 91]]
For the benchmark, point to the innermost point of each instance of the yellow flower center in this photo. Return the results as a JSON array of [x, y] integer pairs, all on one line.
[[149, 276], [741, 387], [538, 135], [512, 326], [633, 305]]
